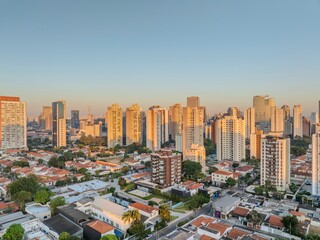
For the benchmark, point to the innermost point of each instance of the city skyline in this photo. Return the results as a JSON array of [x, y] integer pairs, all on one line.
[[92, 55]]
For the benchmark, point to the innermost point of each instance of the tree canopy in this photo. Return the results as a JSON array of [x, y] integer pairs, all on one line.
[[109, 237], [55, 203], [191, 169], [42, 196], [28, 184], [14, 232]]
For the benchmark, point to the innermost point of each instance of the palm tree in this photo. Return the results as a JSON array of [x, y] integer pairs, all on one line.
[[164, 212], [131, 216]]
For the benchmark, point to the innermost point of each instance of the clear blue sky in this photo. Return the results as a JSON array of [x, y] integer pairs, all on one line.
[[95, 53]]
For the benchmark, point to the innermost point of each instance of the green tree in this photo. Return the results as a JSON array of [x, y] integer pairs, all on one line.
[[131, 216], [64, 236], [14, 232], [235, 165], [191, 169], [28, 184], [290, 224], [55, 203], [259, 190], [231, 182], [40, 161], [22, 198], [209, 146], [164, 213], [42, 196], [125, 169], [138, 229], [21, 164], [293, 187], [109, 237], [212, 169], [56, 162]]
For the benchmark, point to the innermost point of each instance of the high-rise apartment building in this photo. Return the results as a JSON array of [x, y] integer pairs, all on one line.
[[133, 125], [114, 125], [75, 120], [193, 101], [287, 123], [175, 125], [262, 105], [306, 127], [250, 122], [157, 127], [297, 121], [277, 120], [316, 164], [275, 161], [175, 120], [166, 168], [193, 125], [255, 144], [230, 136], [59, 126], [13, 121], [46, 118]]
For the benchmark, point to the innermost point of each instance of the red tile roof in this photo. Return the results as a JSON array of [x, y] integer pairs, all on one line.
[[101, 227], [275, 221], [220, 227], [142, 207], [203, 221], [240, 211], [236, 233]]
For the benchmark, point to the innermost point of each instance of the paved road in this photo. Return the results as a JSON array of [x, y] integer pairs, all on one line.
[[173, 226]]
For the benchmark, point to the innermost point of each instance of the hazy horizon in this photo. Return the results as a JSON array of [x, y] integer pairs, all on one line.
[[93, 54]]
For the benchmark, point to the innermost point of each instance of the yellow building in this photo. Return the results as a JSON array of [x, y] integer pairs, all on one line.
[[133, 124], [114, 125], [59, 126], [13, 130]]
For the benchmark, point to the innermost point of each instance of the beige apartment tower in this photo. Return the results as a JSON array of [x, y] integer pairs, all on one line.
[[114, 125], [13, 121], [230, 136], [316, 163], [157, 127], [59, 124], [277, 120], [133, 124], [275, 161], [250, 122], [297, 121]]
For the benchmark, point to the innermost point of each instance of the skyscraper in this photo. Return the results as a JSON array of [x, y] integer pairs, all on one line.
[[275, 161], [297, 121], [133, 124], [46, 118], [193, 125], [157, 127], [287, 123], [193, 101], [175, 125], [306, 126], [316, 164], [114, 125], [13, 120], [277, 120], [250, 122], [230, 136], [59, 128], [175, 120], [262, 105], [75, 122]]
